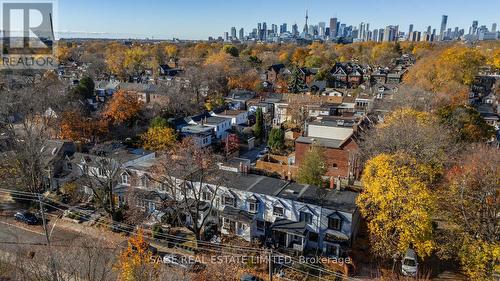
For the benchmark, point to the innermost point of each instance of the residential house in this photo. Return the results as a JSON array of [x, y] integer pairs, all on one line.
[[238, 99], [142, 90], [54, 152], [336, 136], [237, 117], [201, 134], [274, 71]]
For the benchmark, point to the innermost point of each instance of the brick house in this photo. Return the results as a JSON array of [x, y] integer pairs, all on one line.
[[339, 155], [336, 138]]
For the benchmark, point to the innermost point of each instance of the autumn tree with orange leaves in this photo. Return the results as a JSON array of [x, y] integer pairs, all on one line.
[[136, 263], [248, 80], [123, 107], [74, 126]]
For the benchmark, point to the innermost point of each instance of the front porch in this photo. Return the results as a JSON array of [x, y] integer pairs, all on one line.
[[289, 235], [236, 222]]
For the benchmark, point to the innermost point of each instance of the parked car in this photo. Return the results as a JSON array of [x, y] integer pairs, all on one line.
[[26, 217], [185, 262], [409, 263], [248, 277]]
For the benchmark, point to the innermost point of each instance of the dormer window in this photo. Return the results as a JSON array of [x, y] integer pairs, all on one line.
[[124, 179], [306, 217], [101, 172], [228, 201], [278, 211], [206, 195], [334, 223], [253, 205]]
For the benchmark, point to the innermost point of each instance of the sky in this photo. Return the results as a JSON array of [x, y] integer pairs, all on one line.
[[198, 19]]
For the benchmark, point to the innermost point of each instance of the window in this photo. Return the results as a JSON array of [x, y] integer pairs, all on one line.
[[334, 223], [278, 211], [260, 225], [228, 201], [313, 236], [334, 165], [253, 206], [101, 172], [332, 250], [206, 195], [306, 217], [124, 179]]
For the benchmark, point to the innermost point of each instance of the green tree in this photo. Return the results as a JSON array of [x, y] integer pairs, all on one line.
[[296, 82], [84, 89], [313, 167], [258, 128], [276, 139], [232, 50], [158, 121]]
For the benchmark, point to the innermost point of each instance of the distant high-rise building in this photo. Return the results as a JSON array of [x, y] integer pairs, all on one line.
[[342, 30], [380, 35], [361, 29], [390, 33], [474, 27], [444, 21], [226, 36], [375, 35], [322, 26], [274, 29], [233, 32], [295, 30], [429, 29], [494, 27], [242, 34], [333, 28], [410, 30], [264, 31], [283, 28]]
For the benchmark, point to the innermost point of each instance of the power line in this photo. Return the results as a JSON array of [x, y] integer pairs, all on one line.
[[203, 245]]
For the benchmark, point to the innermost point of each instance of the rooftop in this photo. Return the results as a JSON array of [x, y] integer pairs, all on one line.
[[341, 200], [323, 142]]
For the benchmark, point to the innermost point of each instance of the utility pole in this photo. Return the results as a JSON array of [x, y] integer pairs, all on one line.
[[52, 263], [271, 265]]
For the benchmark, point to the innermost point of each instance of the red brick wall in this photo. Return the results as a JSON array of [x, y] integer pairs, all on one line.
[[339, 156]]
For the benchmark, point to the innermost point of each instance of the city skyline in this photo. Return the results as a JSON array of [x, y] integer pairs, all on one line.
[[200, 20]]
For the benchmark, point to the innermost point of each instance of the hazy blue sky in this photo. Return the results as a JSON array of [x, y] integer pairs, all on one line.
[[198, 19]]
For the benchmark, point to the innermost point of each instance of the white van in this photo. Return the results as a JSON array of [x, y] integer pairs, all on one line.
[[409, 263]]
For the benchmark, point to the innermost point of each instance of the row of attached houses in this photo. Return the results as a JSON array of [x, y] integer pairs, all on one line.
[[293, 217]]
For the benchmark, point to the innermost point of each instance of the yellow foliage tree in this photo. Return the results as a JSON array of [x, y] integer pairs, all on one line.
[[115, 54], [158, 138], [172, 50], [408, 113], [398, 205], [450, 72], [299, 56], [136, 263], [136, 59]]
